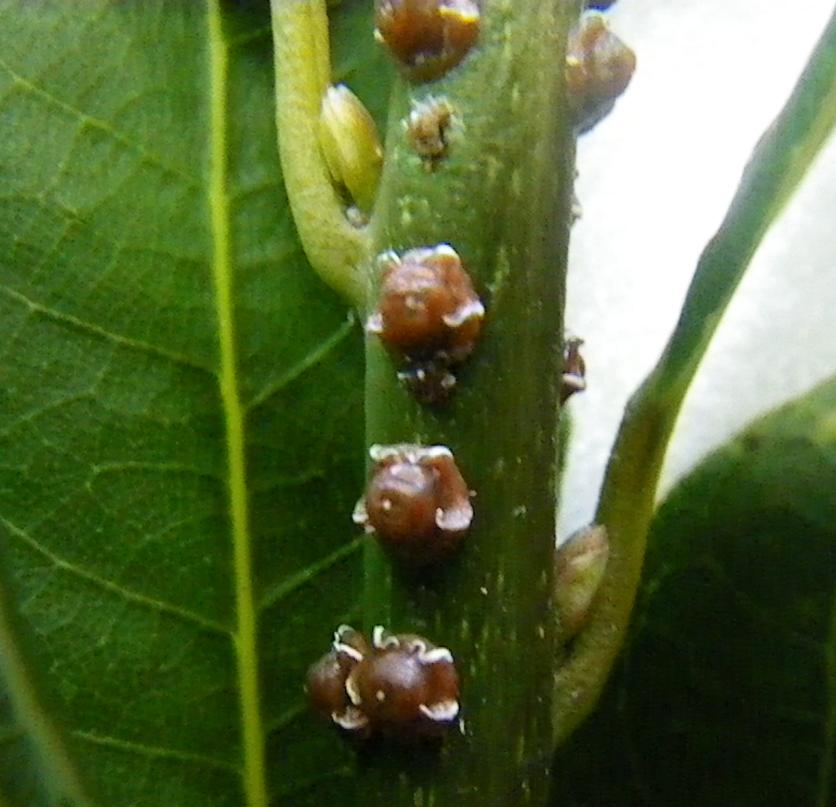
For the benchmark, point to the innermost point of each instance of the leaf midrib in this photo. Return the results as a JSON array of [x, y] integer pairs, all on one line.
[[255, 786]]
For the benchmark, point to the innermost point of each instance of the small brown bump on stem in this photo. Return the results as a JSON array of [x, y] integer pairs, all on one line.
[[407, 687], [428, 130], [573, 378], [427, 38], [427, 304], [599, 67], [430, 382], [429, 314], [325, 683], [416, 503]]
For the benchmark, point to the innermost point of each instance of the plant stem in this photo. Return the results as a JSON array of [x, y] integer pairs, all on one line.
[[626, 505], [335, 248], [501, 197]]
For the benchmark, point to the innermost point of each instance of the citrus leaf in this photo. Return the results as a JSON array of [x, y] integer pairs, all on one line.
[[180, 416], [727, 690]]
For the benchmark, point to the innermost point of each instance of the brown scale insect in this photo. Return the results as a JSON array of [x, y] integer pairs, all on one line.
[[430, 382], [427, 305], [401, 685], [427, 37], [416, 503], [573, 378], [428, 130], [429, 314], [325, 682], [599, 67]]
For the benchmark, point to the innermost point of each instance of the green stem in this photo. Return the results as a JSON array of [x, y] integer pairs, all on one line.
[[626, 505], [335, 248], [501, 197]]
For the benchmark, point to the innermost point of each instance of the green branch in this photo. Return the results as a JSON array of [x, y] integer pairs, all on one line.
[[626, 506], [335, 248], [497, 187]]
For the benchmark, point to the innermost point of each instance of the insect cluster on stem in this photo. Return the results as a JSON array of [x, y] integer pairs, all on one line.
[[399, 685], [428, 314]]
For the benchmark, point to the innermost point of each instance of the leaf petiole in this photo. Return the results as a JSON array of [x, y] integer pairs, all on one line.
[[337, 250]]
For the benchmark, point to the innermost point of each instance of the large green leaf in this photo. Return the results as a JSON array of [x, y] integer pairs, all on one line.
[[180, 414], [726, 694]]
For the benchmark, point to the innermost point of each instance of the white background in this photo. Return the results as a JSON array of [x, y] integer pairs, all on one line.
[[655, 180]]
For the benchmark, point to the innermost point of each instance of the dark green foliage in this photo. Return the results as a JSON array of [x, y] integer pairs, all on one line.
[[725, 693], [114, 505]]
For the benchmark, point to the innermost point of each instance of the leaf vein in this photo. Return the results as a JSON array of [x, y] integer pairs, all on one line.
[[255, 777], [103, 333], [114, 588], [158, 751], [134, 466], [96, 123], [286, 718], [45, 735], [290, 584], [307, 362]]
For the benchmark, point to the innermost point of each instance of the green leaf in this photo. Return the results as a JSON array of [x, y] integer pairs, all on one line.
[[727, 690], [180, 416]]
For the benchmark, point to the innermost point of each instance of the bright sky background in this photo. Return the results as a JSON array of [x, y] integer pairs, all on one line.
[[655, 180]]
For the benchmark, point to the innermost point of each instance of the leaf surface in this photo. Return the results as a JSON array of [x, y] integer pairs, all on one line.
[[726, 693], [180, 416]]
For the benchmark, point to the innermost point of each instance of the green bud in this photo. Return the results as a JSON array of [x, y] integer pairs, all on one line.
[[350, 144], [580, 562]]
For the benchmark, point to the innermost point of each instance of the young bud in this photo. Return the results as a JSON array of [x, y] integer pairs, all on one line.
[[350, 144], [580, 562]]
